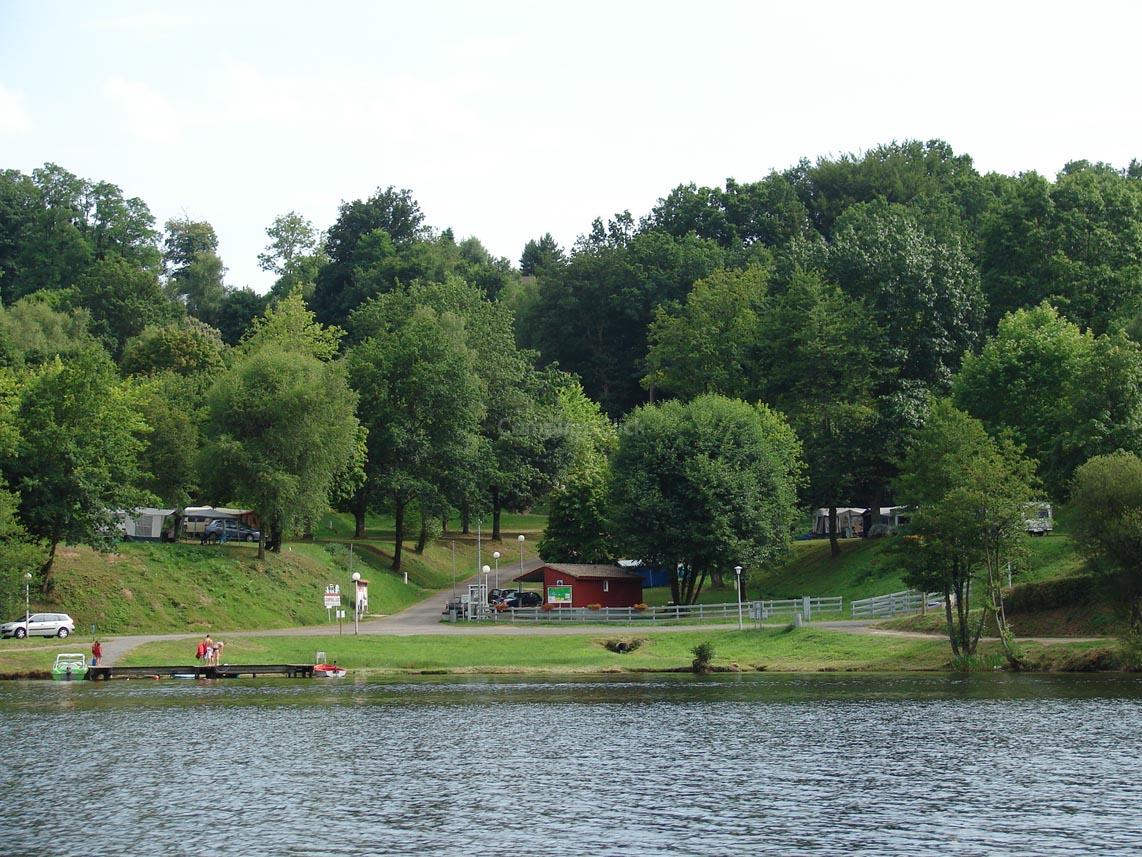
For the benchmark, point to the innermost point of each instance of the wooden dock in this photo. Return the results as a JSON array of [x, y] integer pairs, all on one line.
[[197, 671]]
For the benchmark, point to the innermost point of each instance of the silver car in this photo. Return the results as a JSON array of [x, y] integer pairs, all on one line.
[[39, 624]]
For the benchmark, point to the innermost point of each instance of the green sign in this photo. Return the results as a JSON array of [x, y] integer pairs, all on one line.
[[559, 595]]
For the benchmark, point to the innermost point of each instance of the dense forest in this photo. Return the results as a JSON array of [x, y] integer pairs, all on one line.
[[733, 355]]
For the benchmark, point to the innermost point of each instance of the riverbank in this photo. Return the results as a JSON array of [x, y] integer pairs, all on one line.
[[776, 649]]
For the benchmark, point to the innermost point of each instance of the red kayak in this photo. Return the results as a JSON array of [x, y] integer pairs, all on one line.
[[328, 671]]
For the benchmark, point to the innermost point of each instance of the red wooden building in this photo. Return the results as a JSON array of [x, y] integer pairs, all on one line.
[[576, 585]]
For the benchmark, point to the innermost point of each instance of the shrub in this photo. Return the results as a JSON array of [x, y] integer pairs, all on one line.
[[639, 606], [594, 606], [1050, 594], [703, 654]]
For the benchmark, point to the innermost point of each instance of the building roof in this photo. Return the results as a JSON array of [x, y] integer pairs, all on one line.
[[580, 571]]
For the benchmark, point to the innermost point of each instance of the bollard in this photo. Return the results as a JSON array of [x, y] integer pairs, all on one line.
[[797, 620]]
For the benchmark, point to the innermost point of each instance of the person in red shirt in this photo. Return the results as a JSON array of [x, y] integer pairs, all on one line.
[[96, 653]]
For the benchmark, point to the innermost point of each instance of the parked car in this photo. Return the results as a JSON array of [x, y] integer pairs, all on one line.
[[39, 625], [227, 529], [497, 595], [525, 599]]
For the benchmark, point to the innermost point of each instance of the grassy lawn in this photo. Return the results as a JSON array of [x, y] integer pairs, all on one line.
[[776, 649]]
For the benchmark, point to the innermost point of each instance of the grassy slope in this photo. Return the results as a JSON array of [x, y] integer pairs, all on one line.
[[147, 587], [150, 587]]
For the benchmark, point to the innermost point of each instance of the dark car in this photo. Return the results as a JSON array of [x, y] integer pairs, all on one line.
[[495, 596], [525, 599]]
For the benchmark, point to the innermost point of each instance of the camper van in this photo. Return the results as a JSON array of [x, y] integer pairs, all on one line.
[[1039, 519]]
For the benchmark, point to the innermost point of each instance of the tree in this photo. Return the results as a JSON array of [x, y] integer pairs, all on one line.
[[578, 467], [282, 427], [707, 345], [922, 292], [33, 330], [420, 401], [369, 235], [539, 256], [970, 495], [189, 348], [122, 299], [577, 526], [172, 406], [704, 486], [1064, 394], [1106, 504], [77, 459], [592, 315], [19, 555], [816, 349], [1076, 243], [290, 325], [194, 269], [294, 254]]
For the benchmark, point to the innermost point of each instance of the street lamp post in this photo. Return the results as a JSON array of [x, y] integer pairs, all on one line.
[[27, 602], [356, 602], [487, 570], [521, 541], [738, 576], [496, 557]]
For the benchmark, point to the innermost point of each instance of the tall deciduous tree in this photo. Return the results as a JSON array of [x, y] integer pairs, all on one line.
[[1065, 394], [76, 463], [704, 487], [282, 426], [420, 401], [708, 344], [294, 254], [971, 495], [817, 349], [194, 269]]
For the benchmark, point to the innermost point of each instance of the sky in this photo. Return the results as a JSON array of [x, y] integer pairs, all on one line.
[[507, 120]]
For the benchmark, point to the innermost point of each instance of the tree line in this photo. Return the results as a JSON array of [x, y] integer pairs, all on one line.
[[392, 367]]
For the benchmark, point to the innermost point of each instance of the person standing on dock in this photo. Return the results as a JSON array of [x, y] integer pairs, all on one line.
[[96, 654]]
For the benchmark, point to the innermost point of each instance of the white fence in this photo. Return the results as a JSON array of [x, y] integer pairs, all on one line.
[[806, 606], [893, 604], [757, 611]]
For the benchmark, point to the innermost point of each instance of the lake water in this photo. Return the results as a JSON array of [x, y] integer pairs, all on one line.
[[757, 763]]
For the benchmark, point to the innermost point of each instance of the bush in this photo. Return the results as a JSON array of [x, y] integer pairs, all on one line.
[[703, 654], [1050, 594]]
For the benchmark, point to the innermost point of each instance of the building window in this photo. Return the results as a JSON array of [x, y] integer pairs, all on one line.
[[606, 586]]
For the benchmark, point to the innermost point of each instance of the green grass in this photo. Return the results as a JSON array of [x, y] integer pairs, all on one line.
[[862, 570], [152, 588], [773, 649]]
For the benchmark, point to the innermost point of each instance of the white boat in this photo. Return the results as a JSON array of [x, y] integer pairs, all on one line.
[[328, 671]]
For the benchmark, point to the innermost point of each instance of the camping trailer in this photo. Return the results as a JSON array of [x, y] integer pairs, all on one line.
[[1039, 519]]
